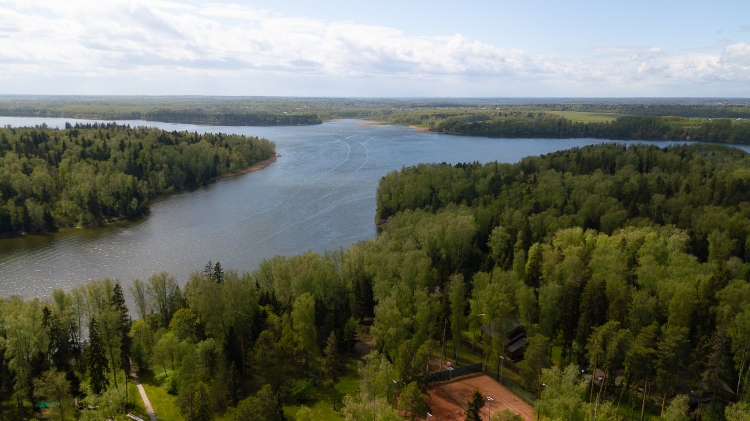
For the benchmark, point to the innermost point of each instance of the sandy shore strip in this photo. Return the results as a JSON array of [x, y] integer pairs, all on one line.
[[255, 167], [420, 129]]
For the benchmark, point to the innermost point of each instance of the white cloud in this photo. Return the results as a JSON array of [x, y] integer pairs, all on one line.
[[127, 40]]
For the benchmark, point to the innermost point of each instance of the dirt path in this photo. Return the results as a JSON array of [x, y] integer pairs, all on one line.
[[144, 397]]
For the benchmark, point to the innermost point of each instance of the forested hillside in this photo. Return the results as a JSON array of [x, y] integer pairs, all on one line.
[[90, 174], [632, 262]]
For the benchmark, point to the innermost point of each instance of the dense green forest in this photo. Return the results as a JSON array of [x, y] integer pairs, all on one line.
[[631, 261], [90, 174], [627, 127]]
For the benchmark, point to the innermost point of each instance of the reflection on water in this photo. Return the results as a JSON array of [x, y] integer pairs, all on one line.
[[319, 195]]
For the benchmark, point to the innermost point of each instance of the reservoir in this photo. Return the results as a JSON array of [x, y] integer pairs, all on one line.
[[319, 195]]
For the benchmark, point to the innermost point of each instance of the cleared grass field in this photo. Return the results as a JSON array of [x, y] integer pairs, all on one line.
[[586, 117]]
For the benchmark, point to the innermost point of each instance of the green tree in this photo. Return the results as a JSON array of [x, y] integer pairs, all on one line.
[[739, 411], [562, 397], [164, 297], [457, 293], [536, 359], [195, 403], [97, 360], [138, 292], [677, 410], [474, 407], [331, 364], [413, 401], [356, 409], [303, 320], [54, 387], [165, 350], [673, 353], [126, 342], [506, 415], [271, 408]]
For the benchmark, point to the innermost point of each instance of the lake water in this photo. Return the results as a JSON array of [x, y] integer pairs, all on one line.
[[319, 195]]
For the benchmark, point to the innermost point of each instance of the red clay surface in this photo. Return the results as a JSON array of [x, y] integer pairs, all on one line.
[[448, 400]]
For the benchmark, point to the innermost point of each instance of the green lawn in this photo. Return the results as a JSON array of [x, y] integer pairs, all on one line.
[[164, 404]]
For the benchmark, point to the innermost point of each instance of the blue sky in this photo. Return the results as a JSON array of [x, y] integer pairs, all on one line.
[[384, 48]]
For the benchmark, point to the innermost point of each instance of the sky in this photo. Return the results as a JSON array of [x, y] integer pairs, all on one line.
[[388, 48]]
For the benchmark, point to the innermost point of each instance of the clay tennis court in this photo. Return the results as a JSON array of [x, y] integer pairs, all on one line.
[[448, 401]]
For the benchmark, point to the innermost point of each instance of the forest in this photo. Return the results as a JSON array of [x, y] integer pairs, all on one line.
[[89, 174], [629, 261], [625, 127], [498, 116]]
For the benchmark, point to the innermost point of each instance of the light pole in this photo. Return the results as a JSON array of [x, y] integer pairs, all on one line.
[[489, 407], [474, 331], [450, 379], [502, 365], [442, 354]]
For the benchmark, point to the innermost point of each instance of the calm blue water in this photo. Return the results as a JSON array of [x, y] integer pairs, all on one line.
[[319, 195]]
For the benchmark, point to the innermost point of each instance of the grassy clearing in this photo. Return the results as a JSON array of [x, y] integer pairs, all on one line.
[[586, 117], [321, 398], [164, 404]]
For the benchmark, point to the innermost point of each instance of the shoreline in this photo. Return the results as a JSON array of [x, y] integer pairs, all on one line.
[[255, 167], [420, 129]]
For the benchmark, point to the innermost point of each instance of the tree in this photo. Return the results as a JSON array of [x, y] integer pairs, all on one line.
[[164, 351], [536, 359], [457, 291], [739, 411], [640, 358], [97, 360], [195, 403], [506, 415], [271, 408], [138, 292], [164, 297], [218, 273], [673, 352], [677, 410], [54, 387], [474, 407], [413, 401], [303, 320], [118, 302], [330, 364], [356, 409], [562, 397]]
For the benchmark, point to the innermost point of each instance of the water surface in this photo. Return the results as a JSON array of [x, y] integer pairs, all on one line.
[[319, 195]]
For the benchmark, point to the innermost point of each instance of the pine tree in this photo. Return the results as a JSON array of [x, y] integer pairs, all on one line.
[[118, 302], [98, 365], [218, 273], [331, 363], [475, 405]]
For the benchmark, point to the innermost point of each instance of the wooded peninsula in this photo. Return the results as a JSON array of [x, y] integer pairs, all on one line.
[[627, 268], [90, 174]]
